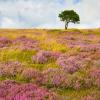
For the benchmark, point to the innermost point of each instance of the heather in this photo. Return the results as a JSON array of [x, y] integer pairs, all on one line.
[[16, 91], [50, 64]]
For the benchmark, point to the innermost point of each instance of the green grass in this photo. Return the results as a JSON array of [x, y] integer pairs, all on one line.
[[53, 46], [71, 94], [16, 55]]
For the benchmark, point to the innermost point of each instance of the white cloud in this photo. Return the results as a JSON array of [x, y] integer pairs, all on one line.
[[9, 23], [44, 13]]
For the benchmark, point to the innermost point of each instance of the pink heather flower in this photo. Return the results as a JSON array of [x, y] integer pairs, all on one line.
[[97, 82], [89, 98], [39, 58], [30, 73], [26, 91], [56, 77], [72, 63], [94, 73], [25, 43], [77, 85], [4, 42], [88, 82], [10, 68], [43, 56]]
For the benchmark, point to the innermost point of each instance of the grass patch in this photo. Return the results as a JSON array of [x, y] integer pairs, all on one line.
[[16, 55], [71, 94], [53, 46]]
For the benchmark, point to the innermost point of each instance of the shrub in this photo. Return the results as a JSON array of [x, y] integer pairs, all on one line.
[[10, 69], [30, 74], [15, 91], [72, 63], [4, 42], [25, 43], [42, 56]]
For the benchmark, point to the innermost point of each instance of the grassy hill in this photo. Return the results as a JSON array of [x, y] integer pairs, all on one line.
[[43, 64]]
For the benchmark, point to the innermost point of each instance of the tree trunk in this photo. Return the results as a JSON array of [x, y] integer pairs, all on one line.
[[66, 25]]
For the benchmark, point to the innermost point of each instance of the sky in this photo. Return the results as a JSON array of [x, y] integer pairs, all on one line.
[[44, 13]]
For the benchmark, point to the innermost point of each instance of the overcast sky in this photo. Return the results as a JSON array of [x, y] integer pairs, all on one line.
[[44, 13]]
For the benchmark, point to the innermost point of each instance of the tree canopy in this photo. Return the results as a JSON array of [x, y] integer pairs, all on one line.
[[69, 16]]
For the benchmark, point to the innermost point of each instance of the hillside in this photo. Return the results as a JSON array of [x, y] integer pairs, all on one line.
[[41, 64]]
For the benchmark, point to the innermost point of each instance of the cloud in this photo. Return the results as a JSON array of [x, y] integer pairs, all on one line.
[[44, 13], [76, 1], [10, 23]]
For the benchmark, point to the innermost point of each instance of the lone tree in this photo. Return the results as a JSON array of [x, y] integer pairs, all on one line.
[[69, 16]]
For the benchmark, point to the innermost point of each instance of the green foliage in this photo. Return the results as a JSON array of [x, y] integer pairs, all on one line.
[[69, 16]]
